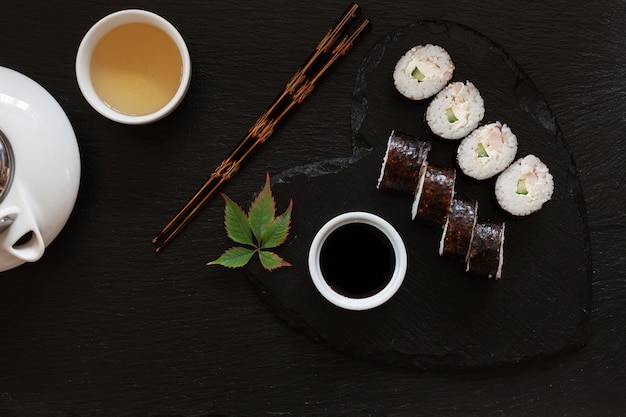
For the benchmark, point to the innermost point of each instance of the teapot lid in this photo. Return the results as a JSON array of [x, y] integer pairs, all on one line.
[[6, 165]]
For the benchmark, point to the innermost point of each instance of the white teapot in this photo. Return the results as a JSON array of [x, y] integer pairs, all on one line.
[[39, 169]]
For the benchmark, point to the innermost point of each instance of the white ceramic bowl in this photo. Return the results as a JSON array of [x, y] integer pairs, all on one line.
[[397, 277], [95, 34]]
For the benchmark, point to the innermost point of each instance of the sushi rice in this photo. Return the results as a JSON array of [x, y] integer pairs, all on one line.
[[487, 151], [455, 111], [525, 186], [423, 71]]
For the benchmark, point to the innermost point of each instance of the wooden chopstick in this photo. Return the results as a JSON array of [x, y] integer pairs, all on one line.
[[328, 51]]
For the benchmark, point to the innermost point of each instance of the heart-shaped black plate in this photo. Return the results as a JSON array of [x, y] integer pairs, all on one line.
[[442, 317]]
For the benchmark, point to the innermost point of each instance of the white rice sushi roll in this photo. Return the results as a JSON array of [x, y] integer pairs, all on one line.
[[423, 71], [525, 186], [455, 111], [487, 151]]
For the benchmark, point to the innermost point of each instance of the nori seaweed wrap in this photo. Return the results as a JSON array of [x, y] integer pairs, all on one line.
[[434, 194], [487, 251], [458, 231], [403, 163]]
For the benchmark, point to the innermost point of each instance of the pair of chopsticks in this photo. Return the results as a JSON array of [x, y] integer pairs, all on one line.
[[335, 44]]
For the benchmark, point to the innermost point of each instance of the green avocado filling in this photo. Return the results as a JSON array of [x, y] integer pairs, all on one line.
[[521, 187], [417, 74], [451, 116], [482, 152]]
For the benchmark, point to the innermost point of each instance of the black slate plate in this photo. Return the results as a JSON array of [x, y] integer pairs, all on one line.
[[442, 317]]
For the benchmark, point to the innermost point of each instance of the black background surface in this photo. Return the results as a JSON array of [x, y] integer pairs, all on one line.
[[103, 326]]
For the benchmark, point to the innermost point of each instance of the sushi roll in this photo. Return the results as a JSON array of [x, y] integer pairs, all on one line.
[[423, 71], [524, 187], [487, 151], [434, 194], [455, 111], [486, 255], [458, 231], [403, 163]]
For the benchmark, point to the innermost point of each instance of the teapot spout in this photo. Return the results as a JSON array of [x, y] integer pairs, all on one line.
[[20, 236]]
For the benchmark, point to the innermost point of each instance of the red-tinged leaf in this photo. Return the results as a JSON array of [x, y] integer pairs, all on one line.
[[236, 222], [277, 231], [262, 211], [259, 228], [271, 261], [234, 257]]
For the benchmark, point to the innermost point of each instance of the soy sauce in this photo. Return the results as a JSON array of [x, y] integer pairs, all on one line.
[[357, 260]]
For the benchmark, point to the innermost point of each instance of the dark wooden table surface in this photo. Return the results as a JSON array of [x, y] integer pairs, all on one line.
[[103, 326]]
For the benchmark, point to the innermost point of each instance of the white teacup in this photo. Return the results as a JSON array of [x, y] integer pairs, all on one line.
[[133, 67], [357, 261]]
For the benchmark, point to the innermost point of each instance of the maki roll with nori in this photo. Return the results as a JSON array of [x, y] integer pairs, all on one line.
[[434, 195], [525, 186], [456, 239], [403, 163], [423, 71], [455, 111], [487, 151], [486, 255]]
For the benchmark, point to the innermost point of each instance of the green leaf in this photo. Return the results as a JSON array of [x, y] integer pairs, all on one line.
[[237, 224], [234, 257], [259, 228], [278, 230], [262, 211], [271, 261]]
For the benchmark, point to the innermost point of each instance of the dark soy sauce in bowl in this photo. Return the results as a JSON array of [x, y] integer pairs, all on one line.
[[357, 260]]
